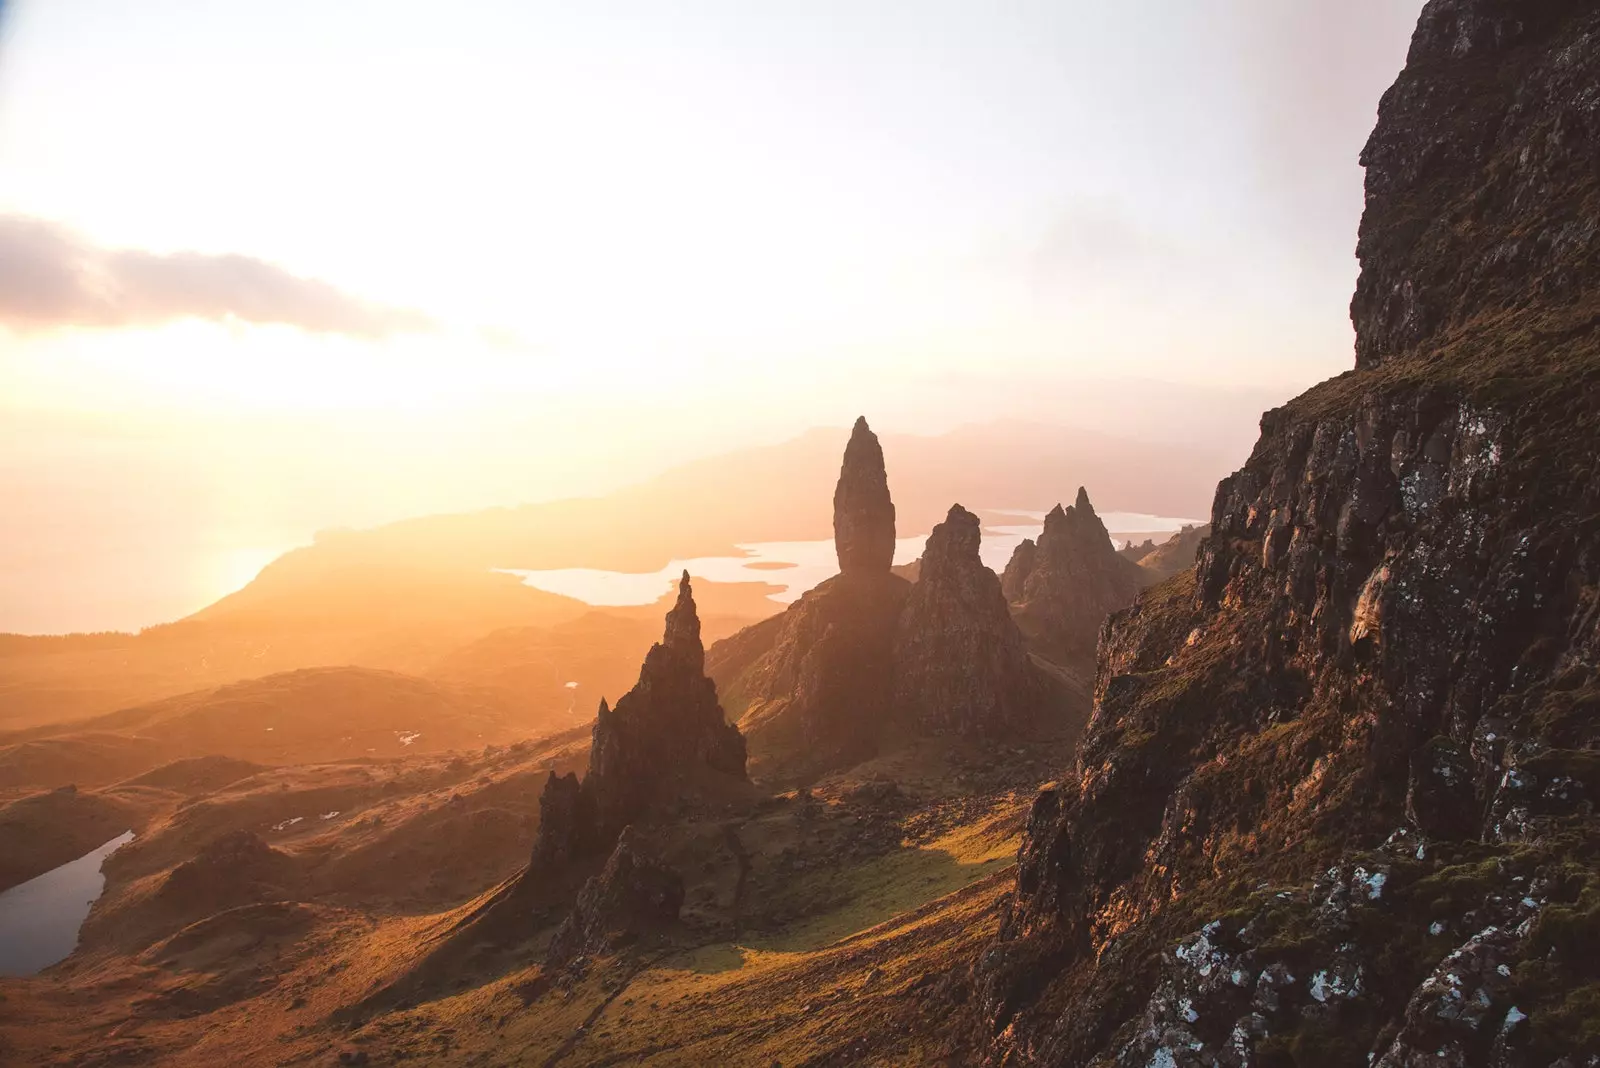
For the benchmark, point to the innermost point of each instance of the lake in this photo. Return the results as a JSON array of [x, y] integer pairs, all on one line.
[[797, 566], [39, 919]]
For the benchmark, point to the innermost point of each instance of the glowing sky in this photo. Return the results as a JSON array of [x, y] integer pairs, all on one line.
[[680, 226]]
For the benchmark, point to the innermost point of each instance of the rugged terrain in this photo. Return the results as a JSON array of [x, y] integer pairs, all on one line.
[[870, 659], [1334, 805]]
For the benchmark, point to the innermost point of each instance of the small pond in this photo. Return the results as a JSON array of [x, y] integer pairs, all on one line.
[[39, 919]]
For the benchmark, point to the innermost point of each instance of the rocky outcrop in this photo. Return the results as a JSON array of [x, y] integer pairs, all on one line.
[[234, 869], [635, 895], [820, 693], [1333, 803], [1069, 583], [1176, 554], [863, 514], [959, 661], [666, 743], [861, 658]]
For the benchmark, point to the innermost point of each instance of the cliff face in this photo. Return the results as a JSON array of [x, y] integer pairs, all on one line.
[[1483, 178], [1064, 587], [666, 741], [1334, 805]]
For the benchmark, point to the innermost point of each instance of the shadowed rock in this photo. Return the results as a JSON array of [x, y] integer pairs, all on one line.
[[853, 666], [635, 894], [666, 741], [1017, 569], [1393, 629], [863, 514], [566, 820], [960, 665], [1069, 583]]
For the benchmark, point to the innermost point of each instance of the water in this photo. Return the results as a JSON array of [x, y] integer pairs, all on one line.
[[797, 566], [39, 919]]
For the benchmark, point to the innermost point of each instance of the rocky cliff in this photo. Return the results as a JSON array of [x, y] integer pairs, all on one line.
[[1334, 805], [1063, 588], [959, 661], [667, 742]]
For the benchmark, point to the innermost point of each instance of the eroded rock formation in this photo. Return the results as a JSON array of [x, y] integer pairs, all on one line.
[[1334, 803], [1069, 583], [849, 663], [959, 661], [863, 513], [666, 742]]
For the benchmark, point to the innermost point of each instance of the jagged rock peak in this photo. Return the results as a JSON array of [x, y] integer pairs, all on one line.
[[1066, 586], [667, 740], [1078, 523], [682, 634], [952, 546], [959, 660], [863, 513]]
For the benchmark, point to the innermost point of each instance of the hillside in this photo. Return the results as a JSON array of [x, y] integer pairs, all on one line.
[[1331, 807], [299, 717]]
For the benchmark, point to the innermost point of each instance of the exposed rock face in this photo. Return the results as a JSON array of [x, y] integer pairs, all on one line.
[[1522, 164], [821, 692], [666, 741], [634, 895], [960, 664], [1441, 797], [1070, 583], [1391, 640], [863, 514], [566, 821]]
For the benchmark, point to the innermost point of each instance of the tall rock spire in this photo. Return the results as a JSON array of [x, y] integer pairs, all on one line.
[[666, 740], [863, 513], [1067, 585], [682, 634]]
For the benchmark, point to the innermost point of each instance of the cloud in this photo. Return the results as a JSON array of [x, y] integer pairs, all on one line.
[[51, 277]]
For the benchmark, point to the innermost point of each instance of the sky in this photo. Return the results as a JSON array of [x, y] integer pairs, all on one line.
[[268, 268]]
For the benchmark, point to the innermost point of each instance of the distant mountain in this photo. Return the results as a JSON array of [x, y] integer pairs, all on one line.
[[771, 493]]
